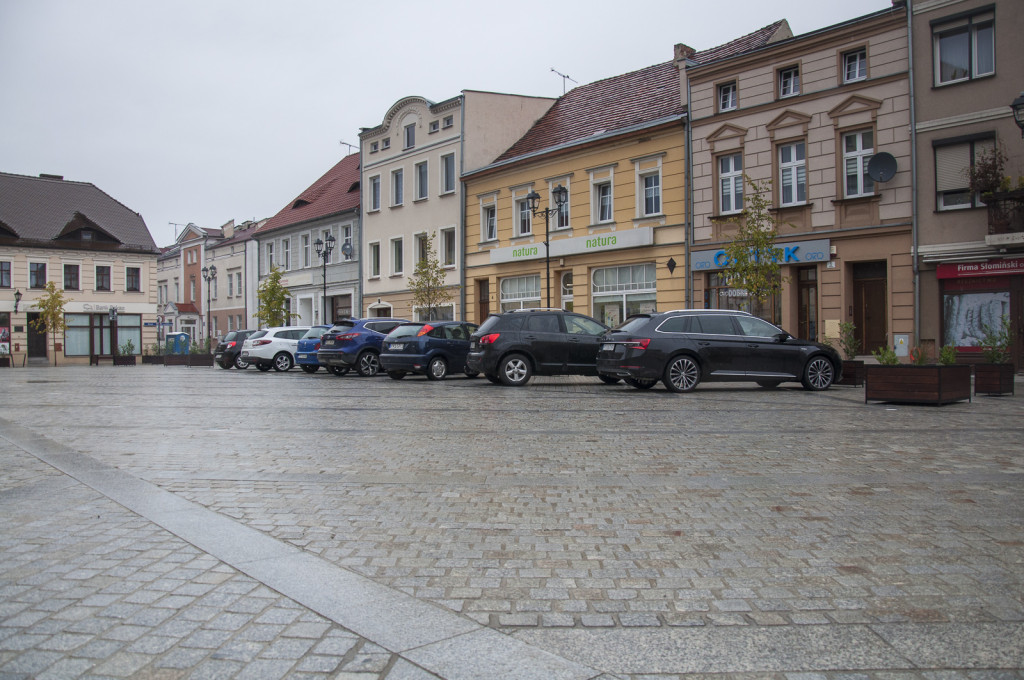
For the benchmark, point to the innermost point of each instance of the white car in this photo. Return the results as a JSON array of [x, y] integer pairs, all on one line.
[[273, 347]]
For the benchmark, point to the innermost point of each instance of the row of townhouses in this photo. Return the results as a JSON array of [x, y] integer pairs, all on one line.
[[622, 195]]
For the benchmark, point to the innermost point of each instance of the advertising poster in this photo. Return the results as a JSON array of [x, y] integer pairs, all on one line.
[[5, 333]]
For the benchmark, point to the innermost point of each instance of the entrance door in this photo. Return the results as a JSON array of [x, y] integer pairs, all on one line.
[[870, 309], [36, 339], [807, 316], [483, 300]]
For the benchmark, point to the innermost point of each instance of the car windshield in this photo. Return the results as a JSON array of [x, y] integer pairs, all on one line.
[[343, 326], [406, 330], [315, 332]]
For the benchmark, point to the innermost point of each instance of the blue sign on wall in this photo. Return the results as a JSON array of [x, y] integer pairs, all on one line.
[[794, 252]]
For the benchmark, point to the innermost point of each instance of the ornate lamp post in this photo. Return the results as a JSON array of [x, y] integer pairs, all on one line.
[[561, 196], [323, 251], [17, 300], [209, 274]]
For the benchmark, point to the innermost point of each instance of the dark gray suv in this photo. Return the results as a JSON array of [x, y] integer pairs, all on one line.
[[510, 347], [684, 347]]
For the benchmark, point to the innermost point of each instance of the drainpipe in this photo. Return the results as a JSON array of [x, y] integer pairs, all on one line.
[[688, 179], [913, 179], [461, 235]]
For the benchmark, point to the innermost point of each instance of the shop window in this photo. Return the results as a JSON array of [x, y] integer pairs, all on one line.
[[619, 292]]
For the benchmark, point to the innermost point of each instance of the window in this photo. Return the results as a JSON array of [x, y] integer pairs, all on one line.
[[37, 275], [286, 254], [857, 150], [213, 288], [103, 279], [133, 279], [238, 287], [619, 292], [421, 180], [448, 247], [727, 97], [855, 65], [385, 144], [489, 224], [346, 239], [652, 193], [409, 135], [730, 183], [5, 274], [951, 164], [562, 216], [422, 248], [374, 147], [964, 49], [397, 257], [520, 292], [448, 173], [434, 126], [375, 192], [374, 258], [71, 277], [231, 285], [397, 187], [192, 290], [524, 220], [720, 295], [603, 201], [792, 174], [449, 121], [305, 253], [789, 82]]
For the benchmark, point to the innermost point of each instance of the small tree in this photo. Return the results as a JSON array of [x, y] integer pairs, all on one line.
[[51, 313], [429, 291], [754, 259], [271, 297]]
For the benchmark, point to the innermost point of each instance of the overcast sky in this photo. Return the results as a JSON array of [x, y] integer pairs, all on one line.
[[205, 111]]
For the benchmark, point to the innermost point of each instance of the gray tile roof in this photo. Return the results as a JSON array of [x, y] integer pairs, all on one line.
[[38, 211]]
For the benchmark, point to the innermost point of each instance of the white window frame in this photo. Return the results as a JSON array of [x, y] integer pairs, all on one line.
[[286, 254], [409, 136], [951, 181], [728, 98], [373, 258], [793, 172], [374, 147], [859, 157], [420, 243], [305, 252], [231, 284], [449, 248], [422, 180], [519, 292], [374, 193], [385, 143], [602, 206], [449, 121], [270, 256], [730, 183], [238, 284], [971, 26], [397, 187], [489, 222], [858, 60], [397, 256], [789, 82], [523, 217], [435, 125], [346, 237], [330, 257], [448, 174]]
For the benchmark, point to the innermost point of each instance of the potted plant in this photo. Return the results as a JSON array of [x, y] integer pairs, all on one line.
[[986, 178], [849, 345], [125, 354], [919, 382], [199, 355], [995, 375], [153, 355]]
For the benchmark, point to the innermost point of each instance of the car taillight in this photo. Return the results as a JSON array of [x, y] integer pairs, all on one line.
[[257, 343], [230, 345], [316, 346], [345, 337], [490, 338], [638, 344], [426, 329]]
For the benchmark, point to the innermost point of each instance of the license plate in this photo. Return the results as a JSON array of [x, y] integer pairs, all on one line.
[[301, 356], [328, 343], [245, 354], [607, 347], [396, 346]]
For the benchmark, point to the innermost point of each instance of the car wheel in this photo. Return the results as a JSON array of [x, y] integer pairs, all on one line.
[[368, 364], [263, 367], [338, 370], [514, 370], [769, 384], [818, 374], [310, 368], [437, 369], [240, 363], [681, 374], [223, 365], [493, 378], [608, 380], [641, 383], [283, 362], [396, 375]]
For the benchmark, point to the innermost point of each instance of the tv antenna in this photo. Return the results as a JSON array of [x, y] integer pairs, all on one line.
[[350, 146], [564, 79], [176, 225]]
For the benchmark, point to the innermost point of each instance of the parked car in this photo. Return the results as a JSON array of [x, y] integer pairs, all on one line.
[[510, 347], [685, 347], [229, 349], [273, 347], [433, 349], [355, 343], [305, 351]]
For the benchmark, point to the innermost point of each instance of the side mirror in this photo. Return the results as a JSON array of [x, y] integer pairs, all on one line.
[[782, 337]]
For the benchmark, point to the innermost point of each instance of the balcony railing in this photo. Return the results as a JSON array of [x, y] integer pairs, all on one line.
[[1005, 212]]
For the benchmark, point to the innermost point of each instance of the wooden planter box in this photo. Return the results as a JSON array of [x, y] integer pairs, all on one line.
[[853, 372], [907, 384], [176, 360], [200, 360], [5, 361], [124, 360], [153, 359], [993, 378]]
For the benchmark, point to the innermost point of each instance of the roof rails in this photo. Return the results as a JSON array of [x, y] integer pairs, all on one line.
[[707, 311], [539, 309]]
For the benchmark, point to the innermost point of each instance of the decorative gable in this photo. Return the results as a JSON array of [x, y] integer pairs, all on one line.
[[855, 110], [727, 137], [81, 228], [789, 124]]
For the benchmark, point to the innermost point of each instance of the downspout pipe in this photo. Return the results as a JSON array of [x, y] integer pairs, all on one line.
[[913, 178], [688, 180]]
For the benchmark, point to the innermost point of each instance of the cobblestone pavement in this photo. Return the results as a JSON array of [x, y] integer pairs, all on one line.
[[639, 534]]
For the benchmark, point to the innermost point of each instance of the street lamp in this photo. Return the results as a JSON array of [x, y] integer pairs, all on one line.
[[1018, 112], [561, 196], [209, 274], [17, 299], [323, 251]]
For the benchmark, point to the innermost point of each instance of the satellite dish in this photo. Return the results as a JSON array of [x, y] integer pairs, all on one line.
[[882, 167], [346, 249]]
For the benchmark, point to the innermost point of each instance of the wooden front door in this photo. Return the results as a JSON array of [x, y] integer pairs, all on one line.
[[807, 316], [483, 300], [870, 307], [36, 338]]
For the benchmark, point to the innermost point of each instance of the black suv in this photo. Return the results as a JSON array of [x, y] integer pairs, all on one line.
[[512, 346], [684, 347], [228, 349]]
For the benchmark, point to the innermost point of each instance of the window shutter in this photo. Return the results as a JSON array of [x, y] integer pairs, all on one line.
[[951, 163]]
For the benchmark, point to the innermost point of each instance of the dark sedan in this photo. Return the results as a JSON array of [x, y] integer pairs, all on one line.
[[433, 349], [685, 347]]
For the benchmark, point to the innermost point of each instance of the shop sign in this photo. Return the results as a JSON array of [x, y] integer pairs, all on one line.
[[796, 252], [960, 270], [579, 245]]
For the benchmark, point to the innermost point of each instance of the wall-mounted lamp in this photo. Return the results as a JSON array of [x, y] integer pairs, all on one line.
[[17, 300], [1018, 112]]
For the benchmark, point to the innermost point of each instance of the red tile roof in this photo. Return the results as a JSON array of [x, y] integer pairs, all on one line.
[[336, 192], [751, 41], [606, 106]]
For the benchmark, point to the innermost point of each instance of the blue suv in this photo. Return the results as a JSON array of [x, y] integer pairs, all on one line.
[[355, 343], [433, 349]]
